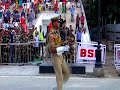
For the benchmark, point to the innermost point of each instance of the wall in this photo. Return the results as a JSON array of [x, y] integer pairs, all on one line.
[[113, 31]]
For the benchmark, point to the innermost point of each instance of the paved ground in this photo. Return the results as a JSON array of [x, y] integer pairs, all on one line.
[[28, 70], [48, 83]]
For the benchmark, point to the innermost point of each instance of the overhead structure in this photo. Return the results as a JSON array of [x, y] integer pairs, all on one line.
[[44, 20]]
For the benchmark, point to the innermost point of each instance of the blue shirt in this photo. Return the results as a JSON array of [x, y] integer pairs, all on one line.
[[72, 11], [23, 14], [8, 14], [79, 35]]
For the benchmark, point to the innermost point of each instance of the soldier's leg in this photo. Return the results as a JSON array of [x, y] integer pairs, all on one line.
[[65, 70], [58, 72]]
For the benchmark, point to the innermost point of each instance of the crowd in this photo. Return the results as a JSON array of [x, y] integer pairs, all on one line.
[[16, 26]]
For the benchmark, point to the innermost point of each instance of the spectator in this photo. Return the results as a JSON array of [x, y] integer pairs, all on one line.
[[40, 7], [7, 5], [64, 5], [31, 17], [23, 13], [1, 15], [20, 4], [11, 26], [23, 20], [15, 24], [5, 18], [72, 10], [85, 36], [61, 21], [82, 18], [17, 16], [71, 43], [56, 7], [77, 22], [63, 32], [8, 14], [28, 6], [41, 34], [63, 8], [24, 25], [79, 33], [11, 46], [24, 1], [71, 28], [35, 30], [36, 46]]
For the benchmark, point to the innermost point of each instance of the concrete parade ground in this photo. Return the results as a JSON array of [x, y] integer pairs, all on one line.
[[48, 83]]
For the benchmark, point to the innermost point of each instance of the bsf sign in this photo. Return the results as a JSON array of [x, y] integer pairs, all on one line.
[[86, 53]]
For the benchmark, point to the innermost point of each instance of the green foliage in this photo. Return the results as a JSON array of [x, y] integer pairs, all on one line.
[[110, 9]]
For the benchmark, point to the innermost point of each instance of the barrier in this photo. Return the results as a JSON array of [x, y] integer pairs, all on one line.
[[26, 53], [86, 53], [117, 56], [23, 53]]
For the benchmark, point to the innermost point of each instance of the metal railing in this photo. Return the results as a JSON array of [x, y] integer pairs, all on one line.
[[28, 53], [23, 53], [117, 56]]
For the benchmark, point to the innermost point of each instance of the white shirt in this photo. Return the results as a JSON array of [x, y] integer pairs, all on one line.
[[85, 38], [5, 25], [28, 5], [37, 39], [15, 24]]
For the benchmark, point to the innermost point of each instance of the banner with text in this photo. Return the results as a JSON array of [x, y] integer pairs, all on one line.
[[88, 53]]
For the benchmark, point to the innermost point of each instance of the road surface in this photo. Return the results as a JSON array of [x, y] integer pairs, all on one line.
[[48, 83]]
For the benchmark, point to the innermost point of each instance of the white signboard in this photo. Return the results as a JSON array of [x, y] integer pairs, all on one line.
[[88, 53], [118, 55]]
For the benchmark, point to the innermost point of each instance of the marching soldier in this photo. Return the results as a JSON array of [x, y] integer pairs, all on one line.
[[60, 67]]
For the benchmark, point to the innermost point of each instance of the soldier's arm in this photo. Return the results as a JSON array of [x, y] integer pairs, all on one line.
[[52, 44], [53, 49]]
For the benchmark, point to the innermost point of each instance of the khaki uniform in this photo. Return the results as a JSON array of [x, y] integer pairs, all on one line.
[[61, 69]]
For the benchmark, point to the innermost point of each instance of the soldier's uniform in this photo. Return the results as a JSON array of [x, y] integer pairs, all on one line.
[[71, 42], [61, 69]]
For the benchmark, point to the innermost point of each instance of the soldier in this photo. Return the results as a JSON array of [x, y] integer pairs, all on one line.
[[71, 43], [61, 69]]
